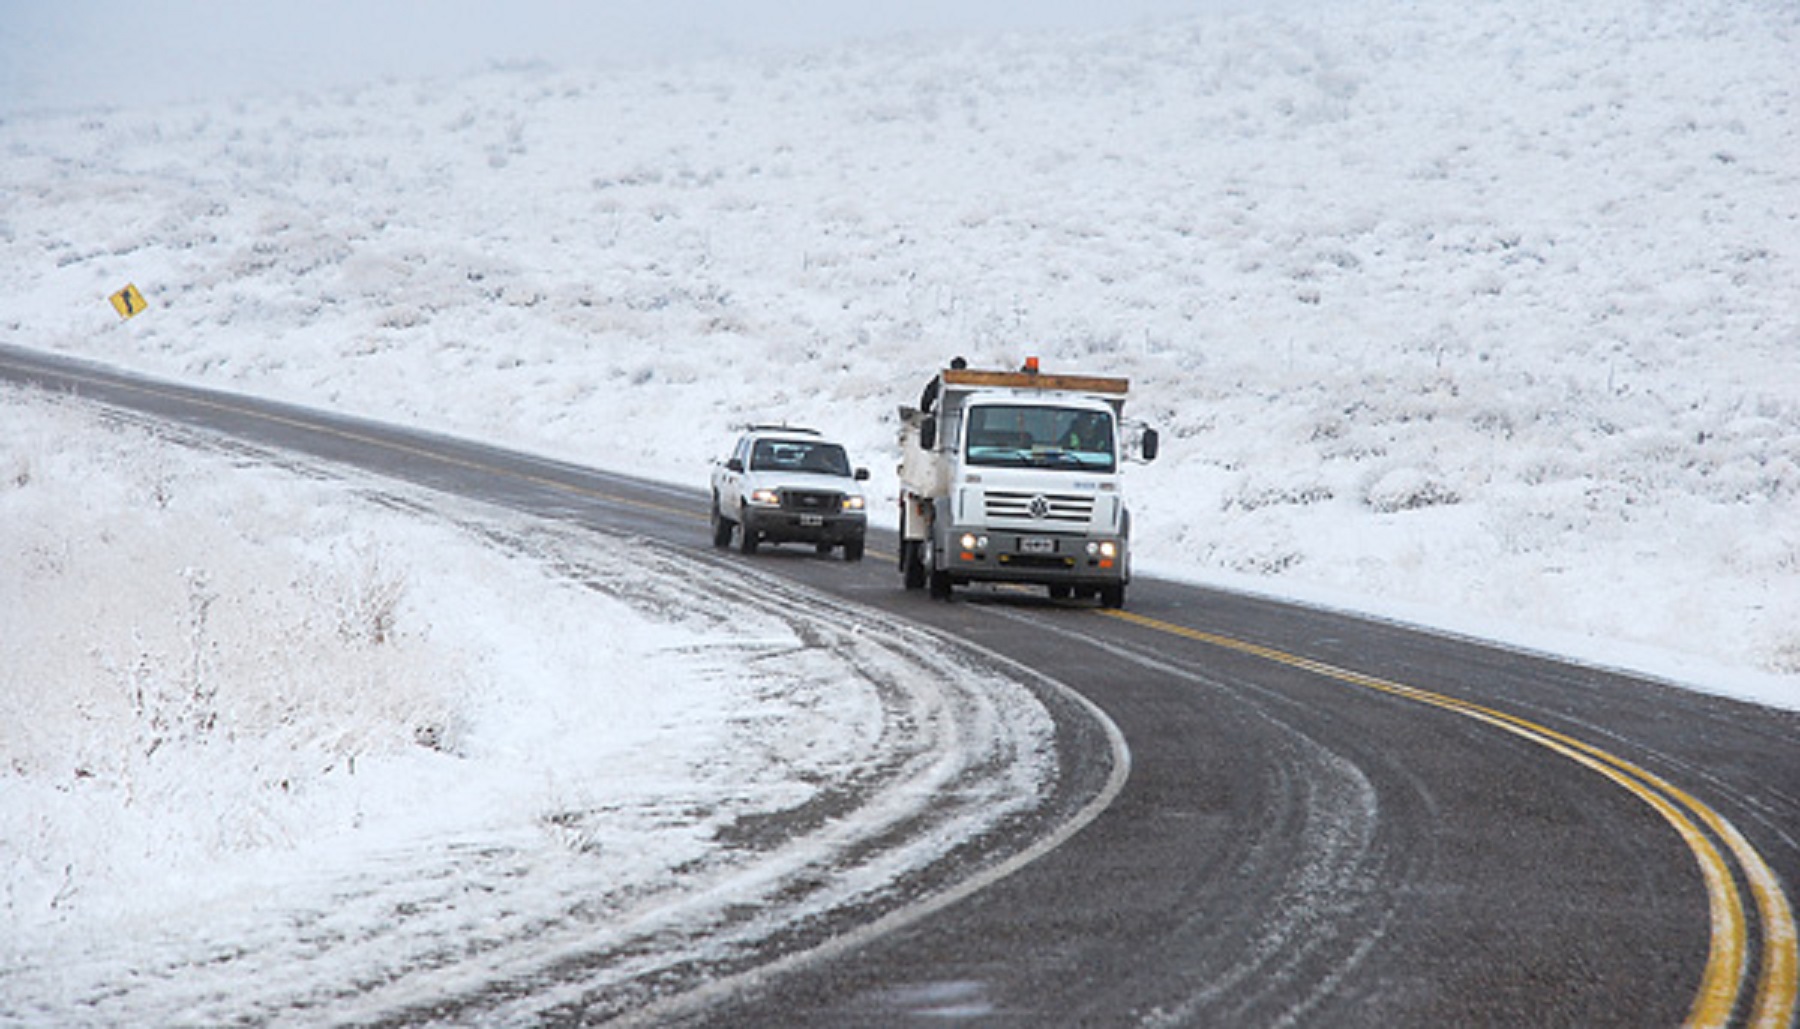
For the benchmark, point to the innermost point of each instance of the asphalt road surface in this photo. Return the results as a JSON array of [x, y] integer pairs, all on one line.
[[1326, 820]]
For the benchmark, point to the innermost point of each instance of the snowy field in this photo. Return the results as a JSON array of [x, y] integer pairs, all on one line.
[[1477, 315], [1486, 310]]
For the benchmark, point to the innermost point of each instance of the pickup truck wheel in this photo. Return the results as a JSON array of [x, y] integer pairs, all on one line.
[[912, 567], [940, 585], [721, 526], [853, 549], [1112, 596], [747, 541]]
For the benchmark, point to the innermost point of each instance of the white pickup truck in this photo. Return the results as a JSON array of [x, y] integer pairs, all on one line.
[[782, 484]]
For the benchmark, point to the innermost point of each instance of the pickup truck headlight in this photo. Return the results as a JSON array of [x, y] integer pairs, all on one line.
[[765, 497], [854, 503]]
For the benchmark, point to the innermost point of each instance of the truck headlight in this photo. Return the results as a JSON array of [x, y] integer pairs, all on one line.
[[970, 541], [765, 497], [853, 503], [1103, 548]]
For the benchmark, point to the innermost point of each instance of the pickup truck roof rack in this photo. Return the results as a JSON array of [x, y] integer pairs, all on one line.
[[796, 429]]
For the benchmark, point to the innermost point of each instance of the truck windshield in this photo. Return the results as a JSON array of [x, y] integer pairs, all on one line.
[[799, 456], [1026, 436]]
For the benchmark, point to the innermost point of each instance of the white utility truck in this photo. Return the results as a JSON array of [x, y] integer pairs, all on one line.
[[1015, 477]]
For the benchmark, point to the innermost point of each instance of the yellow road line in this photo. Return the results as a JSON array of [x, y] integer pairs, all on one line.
[[1721, 983]]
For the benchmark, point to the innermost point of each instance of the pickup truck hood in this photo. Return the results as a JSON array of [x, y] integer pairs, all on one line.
[[802, 480]]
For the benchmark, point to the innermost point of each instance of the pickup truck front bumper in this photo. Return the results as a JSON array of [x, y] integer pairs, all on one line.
[[783, 525]]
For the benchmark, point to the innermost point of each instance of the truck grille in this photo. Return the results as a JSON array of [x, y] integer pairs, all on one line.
[[1054, 508], [811, 500]]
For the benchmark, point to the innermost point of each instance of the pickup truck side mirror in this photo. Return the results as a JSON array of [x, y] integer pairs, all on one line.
[[862, 475], [1152, 443], [736, 464], [928, 434]]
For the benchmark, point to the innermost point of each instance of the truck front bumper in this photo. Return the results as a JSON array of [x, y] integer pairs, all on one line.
[[1000, 555]]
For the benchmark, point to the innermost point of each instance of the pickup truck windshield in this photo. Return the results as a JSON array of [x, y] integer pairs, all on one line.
[[791, 455], [1025, 436]]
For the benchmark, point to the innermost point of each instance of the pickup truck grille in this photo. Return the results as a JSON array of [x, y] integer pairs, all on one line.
[[811, 500], [1054, 508]]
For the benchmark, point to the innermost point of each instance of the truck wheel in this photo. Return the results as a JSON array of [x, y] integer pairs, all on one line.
[[940, 585], [747, 542], [912, 567], [853, 549], [721, 526], [1112, 596]]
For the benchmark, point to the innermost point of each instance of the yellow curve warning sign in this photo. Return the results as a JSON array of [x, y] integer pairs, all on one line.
[[128, 301]]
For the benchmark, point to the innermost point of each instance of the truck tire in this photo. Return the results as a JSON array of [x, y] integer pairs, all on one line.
[[1112, 596], [747, 541], [912, 567], [721, 526], [940, 585], [853, 549]]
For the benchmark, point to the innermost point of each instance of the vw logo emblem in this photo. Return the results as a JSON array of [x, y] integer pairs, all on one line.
[[1040, 508]]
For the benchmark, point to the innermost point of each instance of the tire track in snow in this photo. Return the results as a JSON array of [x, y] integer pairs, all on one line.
[[964, 787]]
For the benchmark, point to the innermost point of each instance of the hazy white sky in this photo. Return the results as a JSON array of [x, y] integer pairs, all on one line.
[[58, 54]]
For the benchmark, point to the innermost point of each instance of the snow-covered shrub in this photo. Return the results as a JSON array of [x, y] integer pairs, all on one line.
[[1408, 488], [154, 603]]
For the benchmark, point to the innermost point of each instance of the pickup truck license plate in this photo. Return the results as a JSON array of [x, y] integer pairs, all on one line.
[[1037, 545], [812, 520]]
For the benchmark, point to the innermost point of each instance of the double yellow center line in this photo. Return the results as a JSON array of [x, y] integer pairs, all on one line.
[[1700, 827]]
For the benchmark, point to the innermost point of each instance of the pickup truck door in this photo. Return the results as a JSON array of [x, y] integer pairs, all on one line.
[[730, 482]]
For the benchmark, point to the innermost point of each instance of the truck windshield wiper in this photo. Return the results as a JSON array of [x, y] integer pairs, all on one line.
[[1075, 458]]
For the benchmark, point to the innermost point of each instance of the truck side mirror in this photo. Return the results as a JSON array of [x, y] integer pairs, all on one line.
[[1151, 444], [928, 434], [862, 475], [736, 464]]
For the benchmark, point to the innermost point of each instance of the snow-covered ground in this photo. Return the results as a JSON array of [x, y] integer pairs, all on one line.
[[1480, 315], [279, 746]]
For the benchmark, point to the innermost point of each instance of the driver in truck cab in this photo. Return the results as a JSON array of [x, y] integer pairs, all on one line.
[[1088, 432]]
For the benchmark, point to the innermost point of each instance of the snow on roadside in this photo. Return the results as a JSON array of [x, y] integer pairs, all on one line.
[[265, 740], [1480, 310]]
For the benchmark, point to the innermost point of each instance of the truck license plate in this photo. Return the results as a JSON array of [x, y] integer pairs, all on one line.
[[1037, 545], [812, 520]]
